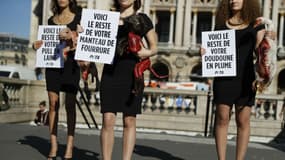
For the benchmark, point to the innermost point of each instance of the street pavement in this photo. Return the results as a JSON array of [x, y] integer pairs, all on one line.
[[26, 142]]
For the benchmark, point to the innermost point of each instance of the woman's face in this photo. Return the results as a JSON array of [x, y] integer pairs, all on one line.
[[236, 5], [125, 3], [63, 3]]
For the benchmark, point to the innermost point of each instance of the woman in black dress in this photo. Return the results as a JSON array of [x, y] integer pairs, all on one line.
[[118, 78], [64, 79], [238, 91]]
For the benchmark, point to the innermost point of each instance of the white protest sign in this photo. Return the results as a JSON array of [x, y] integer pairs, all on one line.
[[220, 57], [97, 43], [49, 55]]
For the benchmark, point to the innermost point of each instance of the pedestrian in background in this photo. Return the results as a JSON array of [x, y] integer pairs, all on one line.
[[42, 114]]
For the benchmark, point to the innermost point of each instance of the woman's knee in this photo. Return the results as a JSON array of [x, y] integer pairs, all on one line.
[[53, 105], [109, 121], [243, 117], [243, 122], [129, 121], [53, 101], [223, 115], [222, 119]]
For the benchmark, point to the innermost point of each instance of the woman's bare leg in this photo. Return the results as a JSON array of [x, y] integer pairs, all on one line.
[[129, 136], [243, 131], [221, 128], [71, 121], [53, 119], [107, 135]]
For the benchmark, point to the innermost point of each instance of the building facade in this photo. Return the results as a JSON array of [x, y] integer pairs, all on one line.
[[13, 50], [179, 24]]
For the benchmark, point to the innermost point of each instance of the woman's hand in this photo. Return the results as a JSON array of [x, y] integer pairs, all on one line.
[[79, 29], [144, 53], [37, 44], [202, 51]]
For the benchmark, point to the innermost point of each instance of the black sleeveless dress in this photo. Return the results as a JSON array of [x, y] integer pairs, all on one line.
[[238, 90], [118, 79], [64, 79]]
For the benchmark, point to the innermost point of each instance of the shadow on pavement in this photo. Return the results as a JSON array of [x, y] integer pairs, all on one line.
[[42, 145], [279, 141], [153, 152]]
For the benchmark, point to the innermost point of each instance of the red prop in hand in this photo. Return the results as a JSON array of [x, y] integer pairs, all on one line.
[[265, 66], [134, 42], [264, 70], [134, 47]]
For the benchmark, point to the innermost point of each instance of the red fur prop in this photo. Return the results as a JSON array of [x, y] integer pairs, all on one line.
[[265, 65], [135, 42]]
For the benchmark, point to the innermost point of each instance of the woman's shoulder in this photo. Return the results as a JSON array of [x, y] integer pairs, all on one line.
[[145, 18], [143, 15]]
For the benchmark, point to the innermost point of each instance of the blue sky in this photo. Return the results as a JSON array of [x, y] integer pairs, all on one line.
[[15, 17]]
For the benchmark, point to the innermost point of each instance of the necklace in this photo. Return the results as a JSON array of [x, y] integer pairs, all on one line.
[[235, 24], [64, 18]]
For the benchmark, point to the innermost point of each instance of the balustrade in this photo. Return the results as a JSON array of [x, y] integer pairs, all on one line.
[[172, 101], [23, 93], [164, 2], [156, 101]]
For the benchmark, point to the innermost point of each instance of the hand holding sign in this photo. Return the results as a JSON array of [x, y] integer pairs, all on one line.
[[202, 51], [37, 44]]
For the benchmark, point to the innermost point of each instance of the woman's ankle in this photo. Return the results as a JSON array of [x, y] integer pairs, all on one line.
[[68, 151]]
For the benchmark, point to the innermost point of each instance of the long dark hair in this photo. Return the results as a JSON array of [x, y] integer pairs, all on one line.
[[137, 5], [249, 12], [56, 9]]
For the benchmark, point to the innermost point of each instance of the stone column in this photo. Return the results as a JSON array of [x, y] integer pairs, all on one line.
[[179, 23], [266, 8], [46, 10], [194, 29], [153, 17], [171, 26], [146, 7], [276, 4], [103, 4], [187, 23], [213, 19], [33, 23], [90, 4], [281, 29]]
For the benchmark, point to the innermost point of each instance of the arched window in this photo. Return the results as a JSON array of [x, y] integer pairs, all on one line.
[[161, 69], [281, 80]]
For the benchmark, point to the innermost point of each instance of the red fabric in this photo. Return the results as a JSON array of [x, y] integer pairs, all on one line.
[[263, 69], [134, 47], [134, 42]]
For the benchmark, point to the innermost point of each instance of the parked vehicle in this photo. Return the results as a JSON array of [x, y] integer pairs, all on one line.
[[19, 72]]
